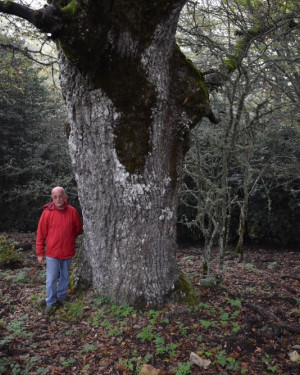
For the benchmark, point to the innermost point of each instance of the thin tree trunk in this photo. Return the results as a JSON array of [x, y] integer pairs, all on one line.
[[207, 271], [243, 212], [242, 227]]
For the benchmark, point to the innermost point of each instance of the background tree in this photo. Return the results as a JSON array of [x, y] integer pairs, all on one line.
[[249, 102], [274, 208], [33, 151]]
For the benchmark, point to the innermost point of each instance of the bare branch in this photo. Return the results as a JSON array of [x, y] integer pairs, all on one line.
[[29, 54]]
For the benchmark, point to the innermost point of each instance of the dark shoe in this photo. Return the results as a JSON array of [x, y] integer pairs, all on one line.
[[62, 302], [49, 310]]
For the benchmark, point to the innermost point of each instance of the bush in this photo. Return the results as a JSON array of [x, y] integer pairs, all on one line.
[[8, 254]]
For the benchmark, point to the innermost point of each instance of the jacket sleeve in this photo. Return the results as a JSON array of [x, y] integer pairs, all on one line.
[[77, 224], [42, 232]]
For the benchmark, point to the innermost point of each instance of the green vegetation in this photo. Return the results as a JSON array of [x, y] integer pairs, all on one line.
[[71, 8], [184, 369], [266, 359], [74, 310], [19, 276], [16, 329], [207, 323], [235, 302], [87, 348], [135, 362], [146, 334], [67, 362], [8, 254]]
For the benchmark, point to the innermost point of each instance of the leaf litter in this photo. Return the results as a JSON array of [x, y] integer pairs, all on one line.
[[247, 325]]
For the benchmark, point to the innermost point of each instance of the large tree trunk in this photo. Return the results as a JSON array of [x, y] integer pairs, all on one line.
[[129, 216], [130, 115]]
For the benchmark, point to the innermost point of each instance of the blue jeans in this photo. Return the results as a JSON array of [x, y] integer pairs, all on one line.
[[57, 279]]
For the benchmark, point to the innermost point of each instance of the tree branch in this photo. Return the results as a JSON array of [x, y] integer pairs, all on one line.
[[29, 54], [241, 48], [9, 7], [233, 60], [48, 19]]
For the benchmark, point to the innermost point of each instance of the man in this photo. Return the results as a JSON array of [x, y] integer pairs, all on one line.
[[58, 228]]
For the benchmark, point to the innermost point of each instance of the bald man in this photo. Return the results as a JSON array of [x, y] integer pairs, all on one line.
[[58, 227]]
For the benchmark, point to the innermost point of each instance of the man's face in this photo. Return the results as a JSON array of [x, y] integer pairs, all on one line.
[[58, 197]]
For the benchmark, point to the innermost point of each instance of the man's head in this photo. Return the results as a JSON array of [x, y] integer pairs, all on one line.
[[59, 197]]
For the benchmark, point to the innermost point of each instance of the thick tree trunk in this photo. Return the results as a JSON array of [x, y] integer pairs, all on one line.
[[127, 187]]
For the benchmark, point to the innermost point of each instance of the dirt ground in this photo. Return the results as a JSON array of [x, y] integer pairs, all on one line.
[[249, 324]]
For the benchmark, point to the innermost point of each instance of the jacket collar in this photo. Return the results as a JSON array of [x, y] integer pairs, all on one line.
[[51, 206]]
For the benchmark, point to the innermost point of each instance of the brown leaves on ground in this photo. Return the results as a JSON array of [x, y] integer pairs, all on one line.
[[248, 325]]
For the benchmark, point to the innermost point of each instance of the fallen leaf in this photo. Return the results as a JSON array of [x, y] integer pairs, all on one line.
[[149, 370], [234, 355]]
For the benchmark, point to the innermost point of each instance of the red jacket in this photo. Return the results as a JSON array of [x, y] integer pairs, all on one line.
[[58, 230]]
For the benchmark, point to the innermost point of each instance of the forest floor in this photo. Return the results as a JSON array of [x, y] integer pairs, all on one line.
[[247, 325]]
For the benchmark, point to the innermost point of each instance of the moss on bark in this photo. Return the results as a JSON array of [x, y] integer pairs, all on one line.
[[71, 8], [190, 95], [184, 291], [125, 82], [188, 87]]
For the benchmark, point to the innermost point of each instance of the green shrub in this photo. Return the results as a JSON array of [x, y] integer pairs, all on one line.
[[8, 254]]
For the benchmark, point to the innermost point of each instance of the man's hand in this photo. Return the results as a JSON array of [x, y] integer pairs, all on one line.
[[40, 259]]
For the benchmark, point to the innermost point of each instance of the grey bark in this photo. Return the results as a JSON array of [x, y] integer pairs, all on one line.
[[129, 218]]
